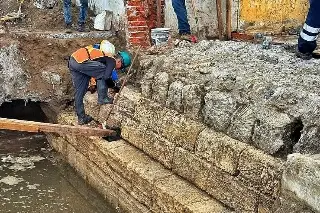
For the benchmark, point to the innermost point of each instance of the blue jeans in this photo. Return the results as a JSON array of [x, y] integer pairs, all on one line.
[[81, 74], [82, 13], [307, 42], [180, 9]]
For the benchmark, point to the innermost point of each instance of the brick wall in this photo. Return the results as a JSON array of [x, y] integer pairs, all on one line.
[[142, 17]]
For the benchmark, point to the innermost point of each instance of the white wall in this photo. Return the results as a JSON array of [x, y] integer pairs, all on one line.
[[207, 16], [116, 6]]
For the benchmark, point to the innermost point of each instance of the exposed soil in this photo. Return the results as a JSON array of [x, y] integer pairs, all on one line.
[[43, 19]]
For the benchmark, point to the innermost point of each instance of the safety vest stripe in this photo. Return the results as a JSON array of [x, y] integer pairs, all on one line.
[[308, 37], [311, 29]]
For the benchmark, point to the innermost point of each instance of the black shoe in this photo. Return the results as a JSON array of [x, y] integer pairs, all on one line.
[[68, 28], [85, 120], [304, 56]]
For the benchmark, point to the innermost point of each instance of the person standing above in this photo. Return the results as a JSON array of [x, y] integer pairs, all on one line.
[[307, 41], [90, 62], [180, 9], [82, 15]]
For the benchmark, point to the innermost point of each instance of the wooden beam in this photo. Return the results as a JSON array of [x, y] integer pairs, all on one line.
[[219, 18], [228, 19], [31, 126]]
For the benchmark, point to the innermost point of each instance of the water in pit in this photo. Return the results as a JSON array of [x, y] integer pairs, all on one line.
[[34, 179]]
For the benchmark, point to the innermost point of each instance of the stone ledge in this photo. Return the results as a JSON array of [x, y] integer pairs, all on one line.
[[130, 179], [302, 178]]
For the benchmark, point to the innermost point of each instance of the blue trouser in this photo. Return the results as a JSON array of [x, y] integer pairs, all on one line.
[[180, 9], [82, 12], [81, 74], [307, 42]]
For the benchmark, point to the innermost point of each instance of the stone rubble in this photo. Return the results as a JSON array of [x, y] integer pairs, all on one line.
[[264, 97]]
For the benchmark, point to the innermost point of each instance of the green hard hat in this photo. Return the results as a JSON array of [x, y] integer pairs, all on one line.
[[126, 58]]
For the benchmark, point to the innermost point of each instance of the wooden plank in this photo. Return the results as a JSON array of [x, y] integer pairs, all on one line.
[[229, 19], [31, 126], [219, 18]]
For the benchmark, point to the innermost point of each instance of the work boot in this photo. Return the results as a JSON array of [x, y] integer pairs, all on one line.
[[107, 100], [68, 28], [304, 56], [85, 120]]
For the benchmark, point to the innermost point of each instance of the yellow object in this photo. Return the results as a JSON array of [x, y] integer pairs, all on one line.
[[273, 13], [13, 15]]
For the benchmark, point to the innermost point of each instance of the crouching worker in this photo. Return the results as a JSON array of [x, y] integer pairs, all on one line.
[[90, 62]]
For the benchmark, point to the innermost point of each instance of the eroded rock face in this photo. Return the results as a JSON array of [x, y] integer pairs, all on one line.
[[13, 79], [44, 4], [267, 98], [301, 178]]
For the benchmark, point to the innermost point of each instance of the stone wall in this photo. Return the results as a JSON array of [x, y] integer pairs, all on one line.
[[265, 98], [129, 179], [240, 176]]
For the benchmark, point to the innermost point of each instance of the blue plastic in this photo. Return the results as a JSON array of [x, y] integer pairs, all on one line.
[[114, 75]]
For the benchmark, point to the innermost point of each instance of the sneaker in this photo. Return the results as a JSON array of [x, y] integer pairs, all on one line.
[[304, 56], [85, 120], [107, 100], [68, 28]]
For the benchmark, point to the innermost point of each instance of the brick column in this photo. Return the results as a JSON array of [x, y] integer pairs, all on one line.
[[141, 17]]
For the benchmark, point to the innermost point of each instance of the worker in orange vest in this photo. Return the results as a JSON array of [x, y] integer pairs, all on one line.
[[90, 62]]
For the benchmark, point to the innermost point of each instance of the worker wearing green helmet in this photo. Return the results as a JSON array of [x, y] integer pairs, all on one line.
[[89, 62]]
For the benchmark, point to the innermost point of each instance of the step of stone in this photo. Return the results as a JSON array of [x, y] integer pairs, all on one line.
[[210, 160], [128, 177]]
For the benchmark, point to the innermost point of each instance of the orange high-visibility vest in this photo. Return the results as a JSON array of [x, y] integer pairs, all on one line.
[[88, 53]]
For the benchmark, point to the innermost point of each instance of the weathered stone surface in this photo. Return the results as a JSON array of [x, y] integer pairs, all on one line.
[[158, 148], [13, 80], [219, 149], [91, 105], [261, 171], [131, 131], [207, 206], [146, 83], [128, 99], [272, 83], [174, 100], [168, 123], [172, 194], [197, 171], [160, 87], [58, 143], [272, 131], [218, 109], [242, 123], [231, 191], [130, 204], [302, 177], [309, 141], [192, 100], [44, 4], [102, 182], [145, 173]]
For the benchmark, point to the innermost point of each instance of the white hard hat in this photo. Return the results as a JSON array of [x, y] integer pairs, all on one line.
[[107, 47]]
